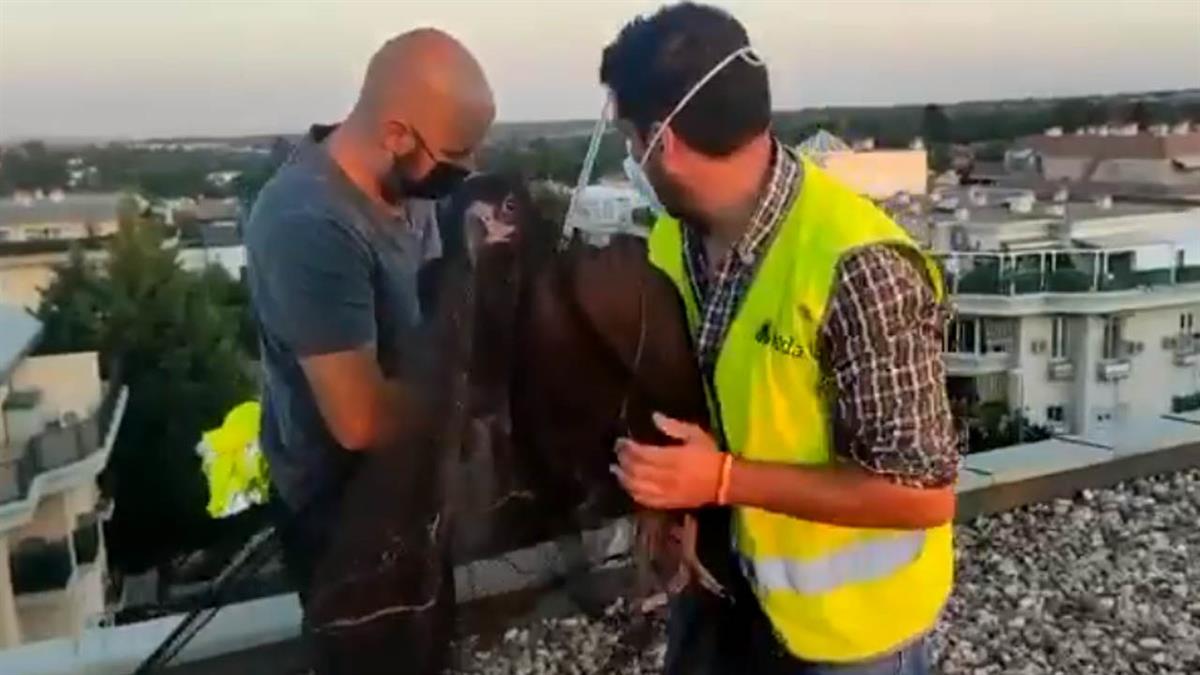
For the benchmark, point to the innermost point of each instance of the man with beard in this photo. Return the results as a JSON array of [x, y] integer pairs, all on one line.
[[335, 242], [818, 330]]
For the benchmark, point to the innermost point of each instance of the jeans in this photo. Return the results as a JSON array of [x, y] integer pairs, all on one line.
[[709, 636]]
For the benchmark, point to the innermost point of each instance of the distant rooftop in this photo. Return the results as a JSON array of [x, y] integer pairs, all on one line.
[[1183, 146], [822, 143], [18, 330], [999, 213], [1186, 234], [207, 210], [213, 235], [71, 207]]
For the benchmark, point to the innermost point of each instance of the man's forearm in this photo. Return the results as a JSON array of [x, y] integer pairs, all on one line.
[[397, 413], [839, 495]]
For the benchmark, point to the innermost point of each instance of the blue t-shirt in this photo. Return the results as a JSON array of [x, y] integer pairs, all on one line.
[[329, 271]]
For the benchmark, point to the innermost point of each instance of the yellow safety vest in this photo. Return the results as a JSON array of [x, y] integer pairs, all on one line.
[[833, 594], [233, 463]]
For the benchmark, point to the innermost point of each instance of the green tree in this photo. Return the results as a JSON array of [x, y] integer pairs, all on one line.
[[252, 179], [936, 130], [232, 296], [176, 346], [935, 124], [73, 307], [1073, 113], [1141, 114], [32, 166]]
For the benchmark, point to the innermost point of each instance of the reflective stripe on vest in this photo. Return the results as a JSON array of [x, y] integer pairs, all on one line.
[[859, 562]]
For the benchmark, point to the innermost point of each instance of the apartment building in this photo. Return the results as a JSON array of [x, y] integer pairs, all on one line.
[[1077, 314], [58, 421], [1162, 159], [895, 178], [214, 245], [37, 231], [878, 173]]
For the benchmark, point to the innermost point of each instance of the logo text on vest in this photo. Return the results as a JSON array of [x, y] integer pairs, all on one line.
[[786, 345]]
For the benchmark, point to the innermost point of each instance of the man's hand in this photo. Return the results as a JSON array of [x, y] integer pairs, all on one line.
[[671, 476]]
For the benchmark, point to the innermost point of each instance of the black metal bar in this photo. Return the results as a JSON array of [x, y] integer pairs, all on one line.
[[260, 549]]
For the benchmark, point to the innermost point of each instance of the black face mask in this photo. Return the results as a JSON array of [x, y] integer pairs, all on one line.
[[441, 180]]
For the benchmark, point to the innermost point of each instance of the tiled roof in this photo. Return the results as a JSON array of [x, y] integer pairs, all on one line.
[[1141, 146]]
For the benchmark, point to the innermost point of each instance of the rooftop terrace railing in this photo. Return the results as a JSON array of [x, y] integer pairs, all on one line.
[[1059, 271], [57, 446]]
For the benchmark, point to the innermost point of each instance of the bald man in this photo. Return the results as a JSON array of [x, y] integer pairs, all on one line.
[[335, 241]]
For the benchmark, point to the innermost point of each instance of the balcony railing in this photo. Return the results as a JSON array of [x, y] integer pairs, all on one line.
[[1185, 348], [1114, 369], [36, 246], [57, 446], [1056, 271], [969, 363], [1061, 369]]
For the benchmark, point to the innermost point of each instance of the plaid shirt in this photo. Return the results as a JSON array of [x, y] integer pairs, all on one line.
[[880, 346], [720, 297]]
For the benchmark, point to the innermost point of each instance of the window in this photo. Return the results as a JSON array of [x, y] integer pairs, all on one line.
[[979, 336], [992, 387], [1112, 338], [1055, 413], [960, 336], [996, 335], [954, 342], [1058, 337]]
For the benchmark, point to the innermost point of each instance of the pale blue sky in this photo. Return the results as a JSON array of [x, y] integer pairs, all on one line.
[[157, 67]]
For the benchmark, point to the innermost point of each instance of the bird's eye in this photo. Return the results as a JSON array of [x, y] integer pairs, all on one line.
[[508, 208]]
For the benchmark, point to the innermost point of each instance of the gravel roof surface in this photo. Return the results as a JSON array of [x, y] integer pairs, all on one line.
[[1108, 582]]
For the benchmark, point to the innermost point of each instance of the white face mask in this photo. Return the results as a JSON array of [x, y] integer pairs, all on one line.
[[637, 177], [635, 170]]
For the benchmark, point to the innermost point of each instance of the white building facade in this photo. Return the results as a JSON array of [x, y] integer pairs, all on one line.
[[58, 421], [1077, 320]]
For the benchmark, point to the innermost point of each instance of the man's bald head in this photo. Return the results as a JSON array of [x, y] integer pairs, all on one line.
[[427, 80]]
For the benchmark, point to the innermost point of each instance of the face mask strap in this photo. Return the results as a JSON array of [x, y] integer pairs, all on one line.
[[746, 53]]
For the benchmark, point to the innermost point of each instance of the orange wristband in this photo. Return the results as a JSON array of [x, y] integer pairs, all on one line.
[[723, 482]]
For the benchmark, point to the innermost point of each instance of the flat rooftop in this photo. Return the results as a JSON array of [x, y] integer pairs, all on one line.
[[1182, 234], [72, 207], [992, 215]]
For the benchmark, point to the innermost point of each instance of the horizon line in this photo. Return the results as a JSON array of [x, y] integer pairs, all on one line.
[[122, 138]]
